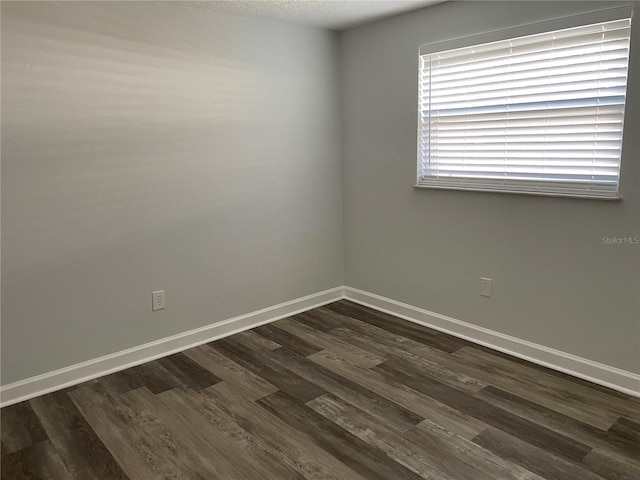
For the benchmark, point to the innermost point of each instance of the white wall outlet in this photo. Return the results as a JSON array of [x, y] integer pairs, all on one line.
[[485, 287], [157, 300]]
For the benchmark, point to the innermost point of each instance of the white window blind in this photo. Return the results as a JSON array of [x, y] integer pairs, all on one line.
[[536, 114]]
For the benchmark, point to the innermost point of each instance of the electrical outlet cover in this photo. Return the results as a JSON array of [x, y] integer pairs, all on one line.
[[157, 300], [485, 287]]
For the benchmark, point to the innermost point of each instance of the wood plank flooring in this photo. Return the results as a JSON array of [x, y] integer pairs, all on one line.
[[341, 392]]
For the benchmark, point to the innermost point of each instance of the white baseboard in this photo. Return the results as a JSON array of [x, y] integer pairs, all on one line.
[[81, 372], [615, 378]]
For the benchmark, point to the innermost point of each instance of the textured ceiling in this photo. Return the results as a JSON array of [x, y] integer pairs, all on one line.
[[332, 14]]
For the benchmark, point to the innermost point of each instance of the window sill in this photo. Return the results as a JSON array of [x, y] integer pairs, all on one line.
[[518, 192]]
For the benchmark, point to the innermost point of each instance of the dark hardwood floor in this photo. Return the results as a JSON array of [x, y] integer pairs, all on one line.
[[341, 392]]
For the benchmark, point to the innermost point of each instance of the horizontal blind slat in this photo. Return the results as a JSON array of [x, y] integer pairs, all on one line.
[[527, 62]]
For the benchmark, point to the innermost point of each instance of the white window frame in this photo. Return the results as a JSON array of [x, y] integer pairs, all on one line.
[[524, 187]]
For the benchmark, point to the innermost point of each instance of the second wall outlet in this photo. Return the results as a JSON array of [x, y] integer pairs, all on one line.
[[157, 300], [485, 287]]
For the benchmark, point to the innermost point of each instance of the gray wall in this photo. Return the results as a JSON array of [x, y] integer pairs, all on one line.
[[150, 146], [555, 283]]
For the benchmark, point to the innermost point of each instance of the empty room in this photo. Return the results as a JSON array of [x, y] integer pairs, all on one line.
[[320, 240]]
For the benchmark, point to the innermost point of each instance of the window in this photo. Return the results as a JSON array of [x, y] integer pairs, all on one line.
[[541, 113]]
